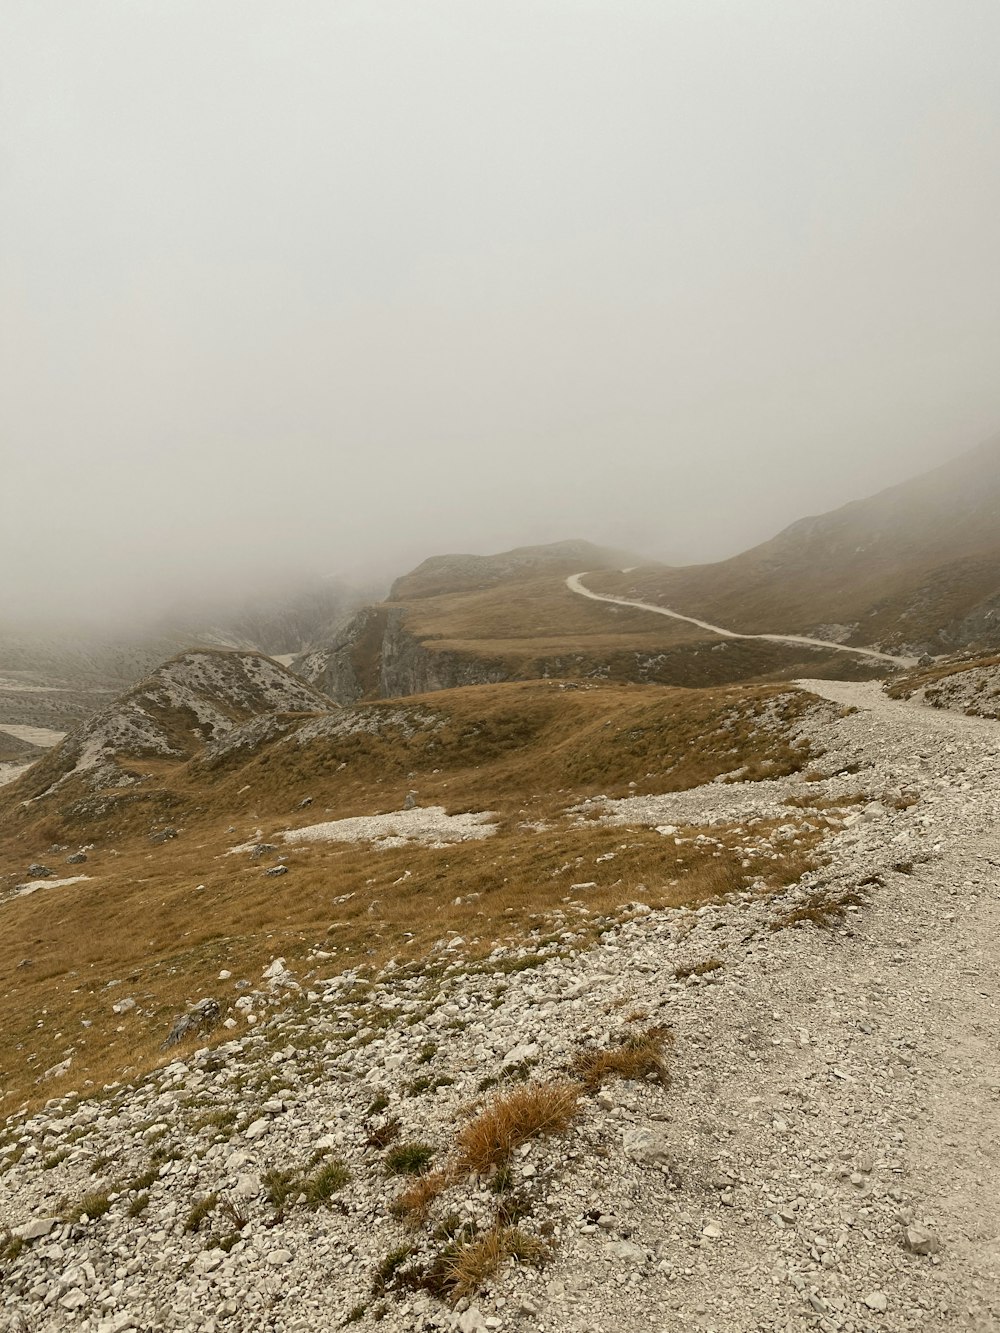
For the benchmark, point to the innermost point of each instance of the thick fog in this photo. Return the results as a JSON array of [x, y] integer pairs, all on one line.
[[329, 287]]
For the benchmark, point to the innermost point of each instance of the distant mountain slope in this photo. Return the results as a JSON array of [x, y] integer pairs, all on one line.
[[187, 702], [56, 677], [916, 567], [451, 574], [475, 620]]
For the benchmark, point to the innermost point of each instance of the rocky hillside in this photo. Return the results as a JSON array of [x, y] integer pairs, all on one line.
[[964, 685], [55, 678], [765, 1107], [913, 569], [187, 702], [466, 620]]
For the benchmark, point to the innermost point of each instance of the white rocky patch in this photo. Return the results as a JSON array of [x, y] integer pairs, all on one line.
[[430, 826], [44, 737], [11, 772], [33, 885]]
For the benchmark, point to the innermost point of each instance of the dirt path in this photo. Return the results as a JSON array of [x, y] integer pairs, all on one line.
[[574, 584], [835, 1087]]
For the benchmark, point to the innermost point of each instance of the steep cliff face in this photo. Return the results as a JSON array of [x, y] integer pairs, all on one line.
[[378, 656], [350, 667], [375, 656], [409, 666]]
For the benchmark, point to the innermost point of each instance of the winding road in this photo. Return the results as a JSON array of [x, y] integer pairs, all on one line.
[[574, 585]]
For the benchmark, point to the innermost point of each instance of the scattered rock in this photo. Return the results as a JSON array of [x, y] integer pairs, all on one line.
[[201, 1017]]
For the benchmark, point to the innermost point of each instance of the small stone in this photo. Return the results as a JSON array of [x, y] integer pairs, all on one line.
[[471, 1321], [257, 1129], [646, 1145], [36, 1228], [877, 1300], [626, 1252], [278, 1257], [921, 1240]]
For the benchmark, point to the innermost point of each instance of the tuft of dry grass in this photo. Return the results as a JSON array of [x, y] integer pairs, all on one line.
[[462, 1270], [702, 969], [640, 1056], [822, 908], [381, 1135], [531, 1111], [413, 1204]]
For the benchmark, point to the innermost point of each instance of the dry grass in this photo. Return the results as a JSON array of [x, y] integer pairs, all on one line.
[[823, 908], [464, 1268], [413, 1204], [702, 969], [162, 921], [640, 1057], [929, 571], [532, 1111]]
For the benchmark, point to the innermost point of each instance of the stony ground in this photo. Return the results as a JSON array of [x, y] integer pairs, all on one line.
[[975, 691], [825, 1155]]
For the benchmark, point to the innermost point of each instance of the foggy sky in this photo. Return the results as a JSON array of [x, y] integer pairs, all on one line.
[[332, 286]]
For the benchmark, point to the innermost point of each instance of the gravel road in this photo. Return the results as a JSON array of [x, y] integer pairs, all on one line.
[[575, 585]]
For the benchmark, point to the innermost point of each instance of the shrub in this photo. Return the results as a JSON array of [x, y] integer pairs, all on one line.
[[200, 1211]]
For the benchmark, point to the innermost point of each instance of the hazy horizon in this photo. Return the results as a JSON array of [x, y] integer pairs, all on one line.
[[300, 291]]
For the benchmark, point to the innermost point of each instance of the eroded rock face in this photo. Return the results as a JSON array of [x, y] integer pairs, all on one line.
[[376, 656]]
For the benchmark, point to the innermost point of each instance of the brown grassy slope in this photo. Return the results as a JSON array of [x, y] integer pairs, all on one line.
[[471, 573], [163, 919], [530, 625], [907, 565]]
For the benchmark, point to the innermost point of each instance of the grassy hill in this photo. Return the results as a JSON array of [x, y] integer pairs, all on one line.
[[154, 920], [916, 567], [463, 620]]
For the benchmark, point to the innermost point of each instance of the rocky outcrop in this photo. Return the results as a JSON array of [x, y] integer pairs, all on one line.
[[349, 668], [409, 666], [376, 657], [190, 700]]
